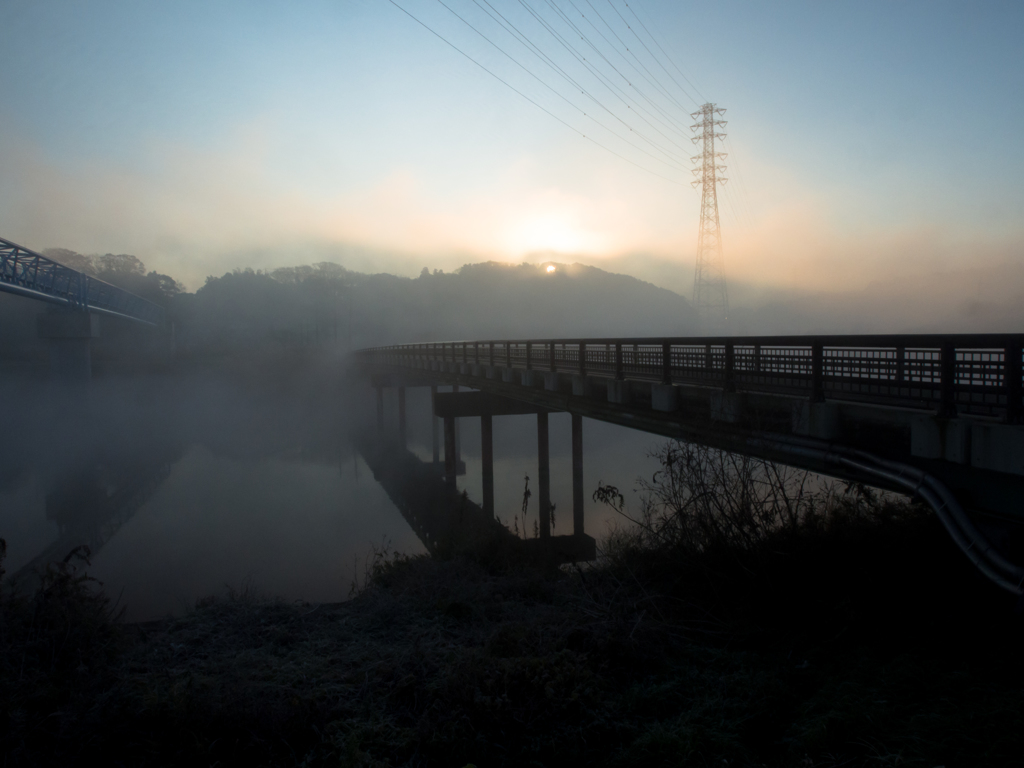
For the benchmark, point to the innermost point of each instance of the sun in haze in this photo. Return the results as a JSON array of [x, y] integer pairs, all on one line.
[[546, 233], [551, 268]]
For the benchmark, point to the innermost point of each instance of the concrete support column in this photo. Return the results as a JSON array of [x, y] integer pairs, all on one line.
[[450, 462], [543, 475], [433, 426], [380, 409], [577, 475], [401, 415], [458, 434], [487, 463], [70, 334]]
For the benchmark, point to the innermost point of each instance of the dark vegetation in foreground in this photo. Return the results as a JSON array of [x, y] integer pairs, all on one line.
[[751, 616]]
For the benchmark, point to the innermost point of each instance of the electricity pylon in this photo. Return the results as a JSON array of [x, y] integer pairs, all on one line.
[[709, 292]]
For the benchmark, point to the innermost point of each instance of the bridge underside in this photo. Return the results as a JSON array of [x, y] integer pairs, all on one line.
[[979, 460]]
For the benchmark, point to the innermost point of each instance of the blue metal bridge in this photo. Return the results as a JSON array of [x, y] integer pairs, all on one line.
[[938, 417], [24, 272]]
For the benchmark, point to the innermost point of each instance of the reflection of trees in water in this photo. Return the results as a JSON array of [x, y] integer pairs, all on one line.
[[91, 502], [98, 453]]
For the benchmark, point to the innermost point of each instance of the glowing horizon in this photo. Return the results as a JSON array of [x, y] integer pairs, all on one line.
[[366, 141]]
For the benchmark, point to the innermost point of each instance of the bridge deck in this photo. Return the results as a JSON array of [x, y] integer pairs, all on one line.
[[951, 405], [979, 374], [937, 417]]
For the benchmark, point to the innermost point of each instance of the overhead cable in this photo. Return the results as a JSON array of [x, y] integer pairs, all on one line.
[[572, 104], [532, 101], [580, 57], [640, 111], [657, 85], [626, 59], [667, 57], [551, 62]]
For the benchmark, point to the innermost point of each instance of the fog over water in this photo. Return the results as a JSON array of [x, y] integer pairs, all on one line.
[[240, 485], [217, 451]]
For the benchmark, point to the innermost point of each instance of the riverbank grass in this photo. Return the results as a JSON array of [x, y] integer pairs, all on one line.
[[859, 636]]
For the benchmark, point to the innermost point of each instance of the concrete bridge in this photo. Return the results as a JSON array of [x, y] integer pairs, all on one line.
[[938, 417], [76, 301]]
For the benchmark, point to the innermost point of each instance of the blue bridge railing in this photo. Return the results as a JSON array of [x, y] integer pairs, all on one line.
[[27, 273]]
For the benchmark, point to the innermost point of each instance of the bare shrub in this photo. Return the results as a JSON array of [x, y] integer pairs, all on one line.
[[702, 498]]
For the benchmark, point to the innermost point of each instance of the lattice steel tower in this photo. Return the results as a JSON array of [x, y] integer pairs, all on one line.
[[709, 292]]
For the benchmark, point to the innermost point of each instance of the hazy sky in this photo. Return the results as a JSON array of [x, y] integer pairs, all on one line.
[[868, 141]]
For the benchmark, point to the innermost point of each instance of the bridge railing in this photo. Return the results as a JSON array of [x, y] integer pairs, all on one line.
[[978, 374], [31, 274]]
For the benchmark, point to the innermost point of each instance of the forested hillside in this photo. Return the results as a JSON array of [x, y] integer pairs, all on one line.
[[327, 304]]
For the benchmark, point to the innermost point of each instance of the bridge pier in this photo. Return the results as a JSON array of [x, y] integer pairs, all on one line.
[[451, 463], [458, 433], [577, 474], [380, 408], [487, 462], [450, 407], [401, 416], [433, 425], [485, 406], [543, 475], [70, 334]]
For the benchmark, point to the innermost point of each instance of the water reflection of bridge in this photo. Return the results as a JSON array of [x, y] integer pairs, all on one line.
[[448, 522], [91, 504], [940, 417]]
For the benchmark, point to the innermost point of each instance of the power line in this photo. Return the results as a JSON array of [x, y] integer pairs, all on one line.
[[536, 104], [581, 58], [625, 79], [657, 84], [550, 62], [561, 96], [640, 40], [626, 59], [670, 61]]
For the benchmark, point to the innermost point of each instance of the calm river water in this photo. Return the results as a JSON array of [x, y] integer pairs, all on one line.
[[195, 486]]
